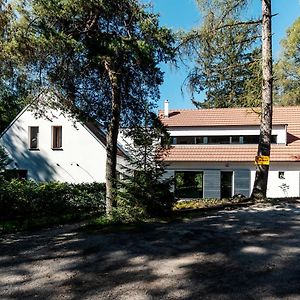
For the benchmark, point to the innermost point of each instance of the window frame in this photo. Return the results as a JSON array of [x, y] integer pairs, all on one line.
[[54, 142], [30, 137]]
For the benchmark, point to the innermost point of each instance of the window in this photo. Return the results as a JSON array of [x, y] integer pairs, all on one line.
[[218, 139], [33, 137], [274, 139], [56, 137], [15, 174], [221, 139], [189, 184], [254, 139], [199, 139], [185, 140], [281, 175], [236, 139], [250, 139]]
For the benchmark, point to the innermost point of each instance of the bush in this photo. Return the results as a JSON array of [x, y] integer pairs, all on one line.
[[145, 194], [28, 199]]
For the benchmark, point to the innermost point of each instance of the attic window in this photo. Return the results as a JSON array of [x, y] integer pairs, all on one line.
[[56, 137], [33, 137]]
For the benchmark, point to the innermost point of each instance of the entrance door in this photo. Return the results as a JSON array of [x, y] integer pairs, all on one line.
[[226, 184]]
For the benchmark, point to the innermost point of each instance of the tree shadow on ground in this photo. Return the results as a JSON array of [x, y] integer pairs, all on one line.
[[239, 254]]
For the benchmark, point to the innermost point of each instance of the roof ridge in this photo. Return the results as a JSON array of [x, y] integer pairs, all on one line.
[[230, 108]]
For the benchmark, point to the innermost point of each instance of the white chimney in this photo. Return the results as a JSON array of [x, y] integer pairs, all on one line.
[[166, 109]]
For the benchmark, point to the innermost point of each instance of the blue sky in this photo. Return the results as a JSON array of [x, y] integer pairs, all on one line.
[[183, 14]]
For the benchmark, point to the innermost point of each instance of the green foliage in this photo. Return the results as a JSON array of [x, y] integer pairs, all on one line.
[[73, 46], [287, 69], [206, 203], [188, 184], [124, 213], [13, 76], [146, 193], [143, 187], [226, 56], [28, 199]]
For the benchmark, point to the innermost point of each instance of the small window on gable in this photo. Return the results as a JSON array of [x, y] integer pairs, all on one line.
[[33, 132], [56, 137], [281, 175]]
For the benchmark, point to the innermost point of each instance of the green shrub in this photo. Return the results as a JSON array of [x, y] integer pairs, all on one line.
[[205, 203], [27, 199], [146, 194]]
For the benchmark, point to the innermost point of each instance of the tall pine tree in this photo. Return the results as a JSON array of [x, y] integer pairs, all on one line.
[[226, 56], [102, 56]]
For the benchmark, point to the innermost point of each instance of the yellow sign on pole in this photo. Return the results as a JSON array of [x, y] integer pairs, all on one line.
[[262, 160]]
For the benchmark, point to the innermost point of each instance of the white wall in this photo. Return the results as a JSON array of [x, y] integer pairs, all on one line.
[[291, 179], [82, 158], [274, 190]]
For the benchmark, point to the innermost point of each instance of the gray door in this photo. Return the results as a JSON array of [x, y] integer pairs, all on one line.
[[242, 182], [212, 184], [226, 184]]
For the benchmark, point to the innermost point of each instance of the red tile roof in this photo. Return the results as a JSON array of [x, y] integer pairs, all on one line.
[[233, 117], [226, 116]]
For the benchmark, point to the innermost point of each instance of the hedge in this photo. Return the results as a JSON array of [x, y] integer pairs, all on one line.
[[28, 199]]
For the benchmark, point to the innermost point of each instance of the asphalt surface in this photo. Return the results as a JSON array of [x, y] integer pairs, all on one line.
[[249, 253]]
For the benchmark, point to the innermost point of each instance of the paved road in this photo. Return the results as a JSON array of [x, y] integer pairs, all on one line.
[[251, 253]]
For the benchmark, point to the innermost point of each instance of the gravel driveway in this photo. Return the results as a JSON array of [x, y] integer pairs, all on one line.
[[250, 253]]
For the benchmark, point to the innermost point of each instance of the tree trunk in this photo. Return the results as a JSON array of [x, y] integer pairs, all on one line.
[[112, 138], [261, 177]]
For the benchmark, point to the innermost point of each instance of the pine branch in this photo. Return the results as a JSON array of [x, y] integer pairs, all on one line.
[[230, 10], [239, 24], [252, 22]]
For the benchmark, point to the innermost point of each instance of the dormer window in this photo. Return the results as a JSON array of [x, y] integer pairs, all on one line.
[[33, 132], [56, 137]]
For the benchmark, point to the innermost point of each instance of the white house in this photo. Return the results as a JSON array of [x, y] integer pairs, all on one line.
[[56, 147], [213, 151]]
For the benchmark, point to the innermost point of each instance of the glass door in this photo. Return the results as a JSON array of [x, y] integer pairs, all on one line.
[[226, 184]]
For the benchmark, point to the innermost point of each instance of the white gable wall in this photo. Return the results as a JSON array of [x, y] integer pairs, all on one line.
[[82, 158]]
